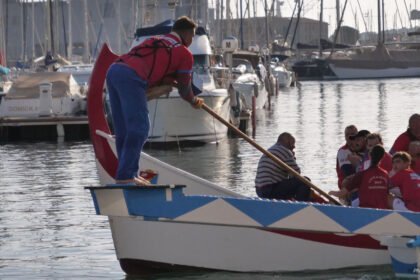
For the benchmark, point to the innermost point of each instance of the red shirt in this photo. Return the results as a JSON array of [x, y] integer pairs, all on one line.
[[157, 64], [385, 163], [402, 142], [409, 184], [373, 187], [415, 166]]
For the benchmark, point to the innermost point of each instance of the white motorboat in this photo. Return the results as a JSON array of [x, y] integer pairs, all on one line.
[[43, 94], [49, 101], [249, 84], [158, 228], [283, 76]]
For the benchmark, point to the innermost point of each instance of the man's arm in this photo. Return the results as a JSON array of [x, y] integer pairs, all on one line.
[[183, 79], [186, 93]]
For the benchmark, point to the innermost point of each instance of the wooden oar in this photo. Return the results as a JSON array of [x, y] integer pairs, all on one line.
[[270, 155]]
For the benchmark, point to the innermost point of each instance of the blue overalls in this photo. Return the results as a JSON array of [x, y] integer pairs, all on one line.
[[127, 93]]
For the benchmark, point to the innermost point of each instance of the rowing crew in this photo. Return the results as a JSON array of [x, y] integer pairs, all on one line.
[[370, 177]]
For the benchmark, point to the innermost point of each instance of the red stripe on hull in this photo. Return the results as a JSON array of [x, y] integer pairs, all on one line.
[[354, 241]]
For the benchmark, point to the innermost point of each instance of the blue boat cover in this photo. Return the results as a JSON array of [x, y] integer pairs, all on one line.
[[159, 29]]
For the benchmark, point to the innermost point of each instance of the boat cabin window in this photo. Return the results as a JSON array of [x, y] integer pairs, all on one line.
[[201, 64]]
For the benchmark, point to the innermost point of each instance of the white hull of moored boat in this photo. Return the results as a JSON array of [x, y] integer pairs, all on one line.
[[284, 77], [26, 108], [364, 73], [174, 120], [248, 85], [43, 94]]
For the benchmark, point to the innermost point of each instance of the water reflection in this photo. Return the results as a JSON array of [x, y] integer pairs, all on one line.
[[382, 106]]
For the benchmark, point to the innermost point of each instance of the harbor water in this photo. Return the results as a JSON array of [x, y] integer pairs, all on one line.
[[48, 226]]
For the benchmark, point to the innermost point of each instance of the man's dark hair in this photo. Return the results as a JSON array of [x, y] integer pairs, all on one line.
[[376, 155], [183, 23], [284, 137]]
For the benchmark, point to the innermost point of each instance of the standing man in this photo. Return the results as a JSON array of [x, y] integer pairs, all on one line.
[[156, 60], [274, 182]]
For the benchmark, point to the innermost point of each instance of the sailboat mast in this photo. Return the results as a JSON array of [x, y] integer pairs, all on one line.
[[33, 30], [337, 12], [63, 19], [70, 42], [266, 23], [321, 15], [408, 12], [3, 32], [228, 19], [86, 43], [242, 25], [383, 21], [379, 23], [50, 27], [23, 31]]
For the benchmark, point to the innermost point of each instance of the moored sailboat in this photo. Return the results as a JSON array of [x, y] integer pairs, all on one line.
[[376, 62]]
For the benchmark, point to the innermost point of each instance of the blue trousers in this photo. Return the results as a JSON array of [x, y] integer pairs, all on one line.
[[127, 95], [286, 189]]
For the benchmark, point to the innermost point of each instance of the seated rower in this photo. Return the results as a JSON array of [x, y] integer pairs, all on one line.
[[372, 184], [374, 139], [407, 181], [344, 167], [274, 182]]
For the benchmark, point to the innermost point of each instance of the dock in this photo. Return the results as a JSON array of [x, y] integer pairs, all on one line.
[[44, 128]]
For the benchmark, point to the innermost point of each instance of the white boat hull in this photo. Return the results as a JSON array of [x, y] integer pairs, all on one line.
[[283, 76], [248, 86], [229, 248], [363, 73], [24, 108], [174, 120]]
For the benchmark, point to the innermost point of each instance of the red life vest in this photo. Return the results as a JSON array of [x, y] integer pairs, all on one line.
[[143, 58]]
